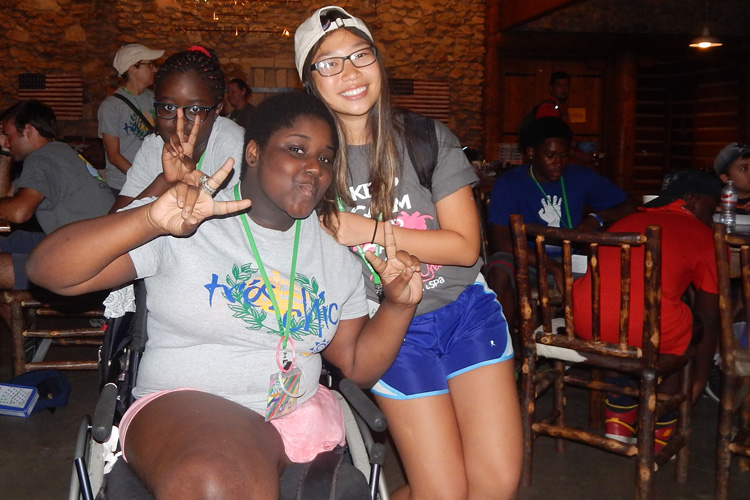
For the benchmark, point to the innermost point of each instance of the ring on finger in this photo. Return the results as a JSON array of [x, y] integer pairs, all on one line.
[[204, 184]]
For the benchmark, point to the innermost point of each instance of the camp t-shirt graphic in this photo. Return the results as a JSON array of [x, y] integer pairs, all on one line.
[[551, 211], [244, 292], [404, 215], [414, 207], [134, 125]]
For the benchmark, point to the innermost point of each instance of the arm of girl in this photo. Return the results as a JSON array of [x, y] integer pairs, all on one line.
[[363, 350], [105, 241], [455, 243]]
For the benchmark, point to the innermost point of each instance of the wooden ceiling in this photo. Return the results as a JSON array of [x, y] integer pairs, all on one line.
[[515, 12]]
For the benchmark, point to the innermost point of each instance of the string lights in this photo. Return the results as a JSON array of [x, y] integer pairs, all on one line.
[[239, 17]]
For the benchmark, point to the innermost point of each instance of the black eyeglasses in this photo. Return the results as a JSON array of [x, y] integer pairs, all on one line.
[[168, 111], [335, 65], [150, 64]]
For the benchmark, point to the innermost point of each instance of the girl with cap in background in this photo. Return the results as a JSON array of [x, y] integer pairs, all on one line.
[[127, 116], [189, 88], [450, 396]]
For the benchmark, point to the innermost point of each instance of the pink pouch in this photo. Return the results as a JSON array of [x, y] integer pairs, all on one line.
[[317, 425]]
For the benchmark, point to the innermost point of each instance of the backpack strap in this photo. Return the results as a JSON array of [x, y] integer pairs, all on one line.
[[422, 145], [136, 110]]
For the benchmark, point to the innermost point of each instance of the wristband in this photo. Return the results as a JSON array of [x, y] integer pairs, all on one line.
[[374, 233], [598, 219]]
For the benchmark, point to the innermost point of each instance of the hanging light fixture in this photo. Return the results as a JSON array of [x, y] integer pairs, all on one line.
[[705, 41]]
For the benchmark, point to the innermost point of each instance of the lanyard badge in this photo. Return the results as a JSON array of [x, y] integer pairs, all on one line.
[[285, 386]]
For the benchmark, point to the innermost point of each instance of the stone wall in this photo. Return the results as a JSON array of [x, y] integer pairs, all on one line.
[[436, 39]]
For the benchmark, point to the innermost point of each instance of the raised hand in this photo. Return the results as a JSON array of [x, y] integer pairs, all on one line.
[[180, 210], [400, 274], [177, 156]]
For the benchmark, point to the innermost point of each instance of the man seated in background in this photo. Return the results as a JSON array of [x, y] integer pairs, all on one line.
[[56, 185], [733, 164], [684, 211], [549, 192], [556, 104]]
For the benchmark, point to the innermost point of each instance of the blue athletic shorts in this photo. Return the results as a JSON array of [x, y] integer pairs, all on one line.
[[463, 335]]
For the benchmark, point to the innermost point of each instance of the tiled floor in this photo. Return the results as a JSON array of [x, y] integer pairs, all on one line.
[[35, 456]]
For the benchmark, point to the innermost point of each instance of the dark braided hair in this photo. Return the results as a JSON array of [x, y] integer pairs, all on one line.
[[199, 59]]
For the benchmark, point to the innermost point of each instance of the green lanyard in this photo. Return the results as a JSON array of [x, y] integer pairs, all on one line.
[[200, 162], [360, 250], [564, 196], [292, 275]]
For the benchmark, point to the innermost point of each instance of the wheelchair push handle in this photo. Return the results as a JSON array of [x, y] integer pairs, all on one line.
[[363, 405], [104, 414]]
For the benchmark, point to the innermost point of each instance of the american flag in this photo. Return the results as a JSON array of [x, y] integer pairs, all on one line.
[[426, 97], [63, 93]]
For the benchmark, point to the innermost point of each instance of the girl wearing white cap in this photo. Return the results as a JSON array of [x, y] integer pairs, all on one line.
[[450, 396], [127, 116]]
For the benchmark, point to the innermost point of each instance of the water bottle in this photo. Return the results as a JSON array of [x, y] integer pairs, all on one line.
[[729, 206]]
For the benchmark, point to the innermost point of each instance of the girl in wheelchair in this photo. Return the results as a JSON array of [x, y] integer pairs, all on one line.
[[242, 302]]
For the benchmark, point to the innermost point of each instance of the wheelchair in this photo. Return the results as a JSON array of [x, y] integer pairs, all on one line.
[[124, 341]]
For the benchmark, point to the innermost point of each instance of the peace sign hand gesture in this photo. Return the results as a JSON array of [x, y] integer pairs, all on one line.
[[177, 156], [400, 273], [180, 210]]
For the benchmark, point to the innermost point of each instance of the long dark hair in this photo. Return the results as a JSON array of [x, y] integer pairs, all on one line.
[[383, 129]]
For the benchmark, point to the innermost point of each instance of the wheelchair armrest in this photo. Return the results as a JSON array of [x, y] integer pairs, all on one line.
[[363, 405], [104, 414]]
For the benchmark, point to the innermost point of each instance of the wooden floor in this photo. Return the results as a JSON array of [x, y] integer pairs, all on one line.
[[35, 456]]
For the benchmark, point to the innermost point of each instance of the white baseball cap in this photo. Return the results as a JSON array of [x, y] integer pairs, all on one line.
[[323, 21], [130, 54]]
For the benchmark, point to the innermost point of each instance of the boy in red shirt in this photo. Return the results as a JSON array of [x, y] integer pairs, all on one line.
[[684, 210]]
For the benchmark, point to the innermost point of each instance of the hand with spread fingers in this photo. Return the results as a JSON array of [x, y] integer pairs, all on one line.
[[177, 156], [399, 274], [180, 210]]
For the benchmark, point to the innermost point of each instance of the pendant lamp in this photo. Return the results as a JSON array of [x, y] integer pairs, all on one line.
[[705, 41]]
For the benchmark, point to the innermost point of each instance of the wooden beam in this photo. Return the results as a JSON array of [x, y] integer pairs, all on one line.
[[515, 12]]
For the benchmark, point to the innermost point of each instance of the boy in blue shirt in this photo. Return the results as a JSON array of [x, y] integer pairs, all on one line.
[[549, 192]]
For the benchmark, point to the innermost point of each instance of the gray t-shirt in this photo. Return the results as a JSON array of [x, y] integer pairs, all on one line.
[[71, 192], [118, 120], [211, 324], [226, 141], [414, 207]]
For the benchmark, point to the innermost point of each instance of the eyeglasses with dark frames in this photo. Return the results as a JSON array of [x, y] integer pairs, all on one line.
[[150, 64], [168, 111], [335, 65]]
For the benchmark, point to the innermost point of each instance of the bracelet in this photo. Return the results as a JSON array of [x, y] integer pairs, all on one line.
[[598, 219], [374, 232]]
